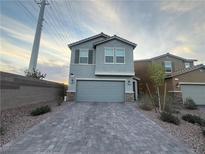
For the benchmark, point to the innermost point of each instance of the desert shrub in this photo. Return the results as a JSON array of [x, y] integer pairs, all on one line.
[[170, 106], [40, 110], [145, 103], [60, 100], [2, 131], [154, 99], [193, 119], [176, 111], [34, 74], [168, 117], [190, 104]]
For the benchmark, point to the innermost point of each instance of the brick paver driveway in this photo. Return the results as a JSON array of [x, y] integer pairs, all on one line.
[[97, 128]]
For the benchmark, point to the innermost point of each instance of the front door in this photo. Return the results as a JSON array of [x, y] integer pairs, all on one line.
[[134, 89]]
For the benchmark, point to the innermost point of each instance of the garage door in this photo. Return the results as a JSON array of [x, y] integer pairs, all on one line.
[[196, 92], [100, 91]]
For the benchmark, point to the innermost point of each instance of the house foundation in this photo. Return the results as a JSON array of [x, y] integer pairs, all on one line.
[[177, 97], [129, 97], [70, 96]]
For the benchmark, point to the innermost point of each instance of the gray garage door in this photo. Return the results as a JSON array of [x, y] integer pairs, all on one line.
[[100, 91], [196, 92]]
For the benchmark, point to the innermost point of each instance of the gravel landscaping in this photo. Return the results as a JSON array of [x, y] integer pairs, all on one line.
[[186, 132], [17, 121]]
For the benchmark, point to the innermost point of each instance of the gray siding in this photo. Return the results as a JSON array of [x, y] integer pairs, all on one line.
[[87, 71], [112, 69], [86, 45]]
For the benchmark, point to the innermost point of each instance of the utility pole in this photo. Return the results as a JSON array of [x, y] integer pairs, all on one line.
[[36, 42]]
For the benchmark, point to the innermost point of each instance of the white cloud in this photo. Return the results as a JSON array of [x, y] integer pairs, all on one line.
[[179, 6], [182, 33], [18, 54]]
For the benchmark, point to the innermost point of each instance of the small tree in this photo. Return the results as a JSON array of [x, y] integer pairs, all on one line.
[[35, 74], [157, 75]]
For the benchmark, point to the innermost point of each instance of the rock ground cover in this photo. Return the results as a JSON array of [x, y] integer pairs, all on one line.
[[17, 121], [188, 133]]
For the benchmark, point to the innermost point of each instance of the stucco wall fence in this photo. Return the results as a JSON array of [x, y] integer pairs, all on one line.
[[17, 90]]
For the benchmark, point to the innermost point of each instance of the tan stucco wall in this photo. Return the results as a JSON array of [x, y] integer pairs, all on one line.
[[178, 64], [194, 76], [142, 72]]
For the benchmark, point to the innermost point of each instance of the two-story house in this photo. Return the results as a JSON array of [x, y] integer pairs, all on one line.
[[102, 70], [183, 78]]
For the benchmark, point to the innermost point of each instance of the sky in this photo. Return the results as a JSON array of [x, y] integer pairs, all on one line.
[[157, 27]]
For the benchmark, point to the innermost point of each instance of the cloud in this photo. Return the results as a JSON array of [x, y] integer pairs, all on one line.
[[26, 34], [55, 72], [179, 6], [8, 66], [183, 50], [157, 27], [16, 44], [13, 51]]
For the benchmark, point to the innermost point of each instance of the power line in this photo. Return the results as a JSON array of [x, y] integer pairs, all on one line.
[[70, 15], [37, 38], [27, 10], [52, 27], [31, 17], [55, 18], [34, 8], [59, 17], [51, 22], [69, 7]]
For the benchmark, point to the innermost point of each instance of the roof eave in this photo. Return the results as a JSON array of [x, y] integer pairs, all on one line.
[[174, 75], [87, 39], [114, 37], [169, 54]]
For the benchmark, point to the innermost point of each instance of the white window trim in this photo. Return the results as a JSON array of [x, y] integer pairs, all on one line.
[[82, 64], [116, 56], [165, 67], [191, 83], [187, 63], [105, 55], [79, 56]]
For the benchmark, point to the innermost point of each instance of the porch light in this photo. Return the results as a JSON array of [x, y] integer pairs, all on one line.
[[72, 76], [129, 82]]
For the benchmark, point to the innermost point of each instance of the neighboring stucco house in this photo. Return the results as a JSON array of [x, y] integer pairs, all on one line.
[[102, 70], [188, 82], [170, 62], [178, 72]]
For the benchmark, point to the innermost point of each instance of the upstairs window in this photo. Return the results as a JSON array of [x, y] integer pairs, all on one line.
[[109, 55], [187, 65], [168, 66], [119, 56], [83, 58]]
